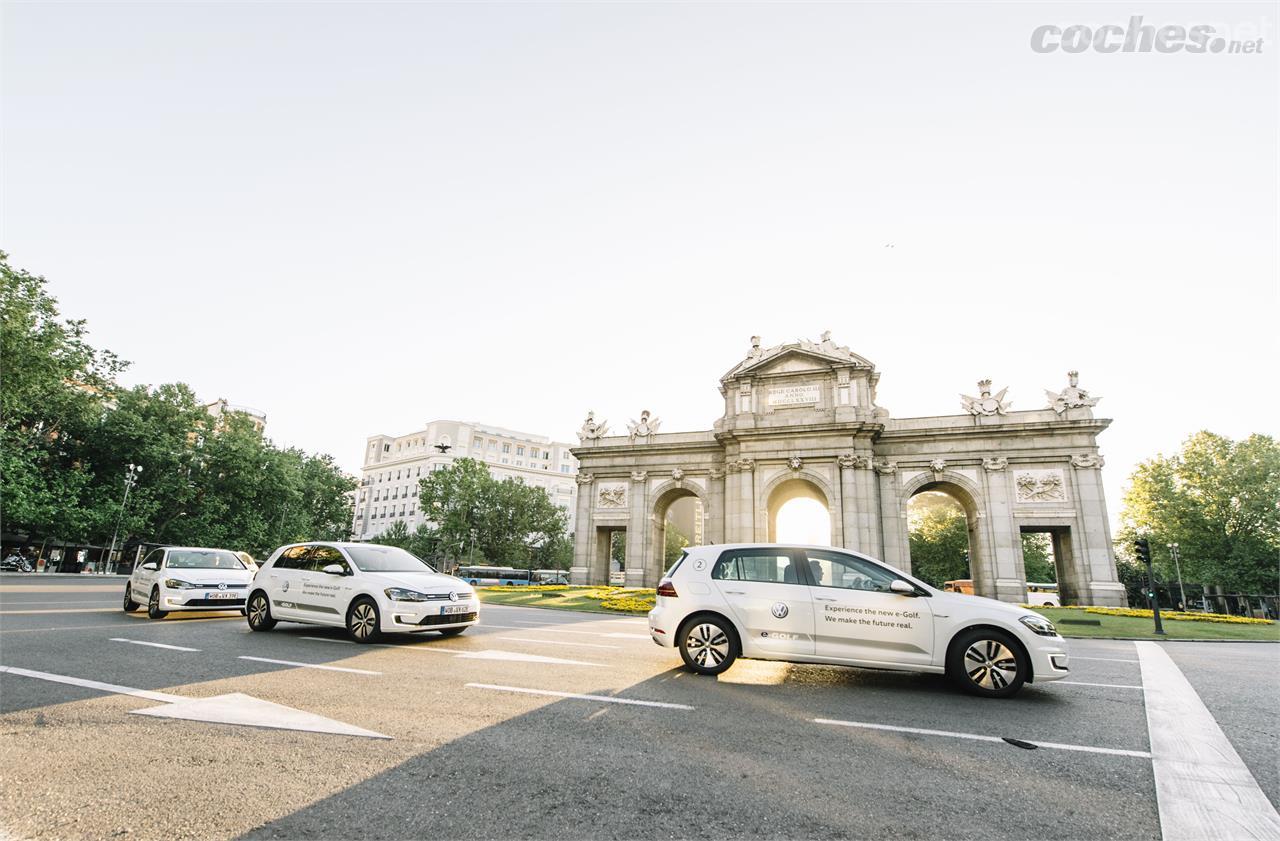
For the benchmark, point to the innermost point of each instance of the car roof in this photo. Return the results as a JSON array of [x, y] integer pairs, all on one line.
[[196, 549], [720, 547]]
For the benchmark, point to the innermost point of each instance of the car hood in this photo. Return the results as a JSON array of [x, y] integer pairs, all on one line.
[[423, 582], [210, 576], [980, 605]]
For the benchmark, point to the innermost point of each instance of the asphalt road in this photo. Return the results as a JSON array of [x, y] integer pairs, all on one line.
[[745, 754]]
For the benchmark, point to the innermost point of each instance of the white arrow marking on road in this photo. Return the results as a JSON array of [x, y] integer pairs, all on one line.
[[237, 708], [309, 665], [517, 657], [605, 698], [234, 708], [154, 644]]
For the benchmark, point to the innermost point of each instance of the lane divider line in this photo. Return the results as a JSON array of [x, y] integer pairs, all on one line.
[[1107, 685], [605, 698], [559, 642], [153, 644], [866, 725], [61, 610], [163, 697], [1203, 788], [309, 665], [1103, 659]]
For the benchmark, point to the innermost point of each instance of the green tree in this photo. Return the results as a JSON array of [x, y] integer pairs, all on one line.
[[1217, 499], [1037, 557], [397, 534], [939, 542], [675, 543]]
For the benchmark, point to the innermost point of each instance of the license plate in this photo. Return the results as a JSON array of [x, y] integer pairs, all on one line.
[[455, 608], [223, 594]]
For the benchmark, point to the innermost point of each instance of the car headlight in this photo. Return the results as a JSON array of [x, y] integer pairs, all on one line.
[[1039, 625], [178, 584], [399, 594]]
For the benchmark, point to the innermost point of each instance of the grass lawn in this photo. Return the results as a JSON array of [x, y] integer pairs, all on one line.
[[1130, 627], [639, 601]]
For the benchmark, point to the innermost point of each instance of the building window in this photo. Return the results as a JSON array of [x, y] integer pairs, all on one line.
[[564, 468], [533, 452], [506, 448], [519, 451]]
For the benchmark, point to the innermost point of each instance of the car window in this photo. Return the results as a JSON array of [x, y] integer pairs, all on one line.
[[156, 557], [295, 557], [833, 569], [757, 565], [323, 556], [372, 557], [203, 559]]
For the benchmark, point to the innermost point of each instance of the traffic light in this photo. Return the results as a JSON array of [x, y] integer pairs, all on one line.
[[1143, 547]]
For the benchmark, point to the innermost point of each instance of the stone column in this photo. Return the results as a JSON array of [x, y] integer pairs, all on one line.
[[849, 504], [640, 565], [1007, 579], [859, 508], [713, 514], [893, 519], [1093, 552], [584, 531]]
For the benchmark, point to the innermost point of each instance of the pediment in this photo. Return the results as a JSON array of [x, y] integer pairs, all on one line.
[[796, 358]]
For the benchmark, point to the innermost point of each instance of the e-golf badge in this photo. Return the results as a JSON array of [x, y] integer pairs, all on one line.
[[779, 610]]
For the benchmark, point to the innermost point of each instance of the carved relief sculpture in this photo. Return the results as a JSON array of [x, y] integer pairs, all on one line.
[[643, 428], [795, 462], [985, 404], [1042, 486], [1071, 397], [585, 478], [938, 465], [848, 462], [613, 497], [592, 431], [638, 475], [1088, 460], [884, 468], [677, 475], [994, 463]]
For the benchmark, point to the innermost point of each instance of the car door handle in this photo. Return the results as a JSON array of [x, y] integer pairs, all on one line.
[[735, 592], [822, 599]]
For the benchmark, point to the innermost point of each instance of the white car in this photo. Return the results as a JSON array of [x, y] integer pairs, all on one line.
[[807, 604], [187, 578], [366, 588]]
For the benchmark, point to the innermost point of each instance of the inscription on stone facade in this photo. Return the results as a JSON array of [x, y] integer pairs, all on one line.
[[794, 395], [1040, 486]]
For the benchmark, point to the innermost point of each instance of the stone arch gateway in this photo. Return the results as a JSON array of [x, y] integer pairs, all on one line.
[[801, 418]]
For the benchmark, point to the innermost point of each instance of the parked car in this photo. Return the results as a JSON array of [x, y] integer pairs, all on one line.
[[187, 578], [807, 604], [367, 588]]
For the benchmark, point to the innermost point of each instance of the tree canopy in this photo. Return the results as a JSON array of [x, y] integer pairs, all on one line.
[[1219, 500]]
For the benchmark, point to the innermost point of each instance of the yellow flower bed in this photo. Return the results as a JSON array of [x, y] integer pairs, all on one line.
[[1178, 615], [628, 603]]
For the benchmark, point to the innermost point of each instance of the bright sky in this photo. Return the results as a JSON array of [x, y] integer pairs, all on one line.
[[359, 216]]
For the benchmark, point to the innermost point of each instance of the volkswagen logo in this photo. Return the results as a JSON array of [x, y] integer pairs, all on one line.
[[222, 586], [780, 610], [453, 595]]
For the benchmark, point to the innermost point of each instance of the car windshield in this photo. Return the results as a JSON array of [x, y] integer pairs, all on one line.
[[204, 559], [373, 558]]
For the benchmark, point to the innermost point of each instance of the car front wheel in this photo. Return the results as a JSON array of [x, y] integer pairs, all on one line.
[[129, 604], [988, 663], [153, 605], [707, 645], [362, 620], [258, 612]]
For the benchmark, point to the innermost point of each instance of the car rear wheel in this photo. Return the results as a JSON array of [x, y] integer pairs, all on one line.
[[129, 604], [153, 605], [362, 620], [707, 645], [988, 662], [258, 612]]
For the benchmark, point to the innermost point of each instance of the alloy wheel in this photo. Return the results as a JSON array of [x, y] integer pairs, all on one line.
[[364, 620], [990, 664], [708, 645], [257, 611]]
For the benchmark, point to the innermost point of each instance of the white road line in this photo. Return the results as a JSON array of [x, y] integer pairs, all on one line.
[[1203, 789], [154, 644], [1107, 685], [558, 642], [484, 625], [93, 684], [1102, 659], [310, 665], [431, 648], [61, 610], [324, 639], [618, 636], [1141, 754], [605, 698]]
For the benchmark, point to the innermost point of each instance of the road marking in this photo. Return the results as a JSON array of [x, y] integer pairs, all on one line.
[[1102, 659], [605, 698], [61, 610], [1203, 789], [483, 625], [558, 642], [517, 657], [93, 684], [11, 603], [1108, 685], [154, 644], [620, 636], [245, 710], [60, 588], [310, 665], [432, 648], [170, 624], [323, 639], [980, 738]]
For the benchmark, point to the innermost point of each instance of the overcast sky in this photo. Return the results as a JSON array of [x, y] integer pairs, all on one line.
[[359, 216]]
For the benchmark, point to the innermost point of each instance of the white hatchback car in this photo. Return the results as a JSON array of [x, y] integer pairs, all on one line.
[[821, 605], [187, 578], [366, 588]]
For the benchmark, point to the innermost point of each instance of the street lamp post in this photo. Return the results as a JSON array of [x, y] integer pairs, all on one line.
[[1182, 595], [130, 479]]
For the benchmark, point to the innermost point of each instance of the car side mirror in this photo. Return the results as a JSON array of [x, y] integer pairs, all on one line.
[[903, 588], [334, 569], [151, 566]]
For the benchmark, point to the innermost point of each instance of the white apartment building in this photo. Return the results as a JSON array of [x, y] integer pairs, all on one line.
[[393, 466]]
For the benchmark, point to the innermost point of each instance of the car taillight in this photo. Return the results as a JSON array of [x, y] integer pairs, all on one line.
[[666, 588]]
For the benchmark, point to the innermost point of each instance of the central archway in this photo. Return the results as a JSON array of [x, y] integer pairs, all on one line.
[[799, 512], [981, 574], [677, 520]]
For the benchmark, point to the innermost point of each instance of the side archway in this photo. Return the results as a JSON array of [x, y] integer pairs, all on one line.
[[967, 496], [806, 496], [666, 497]]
